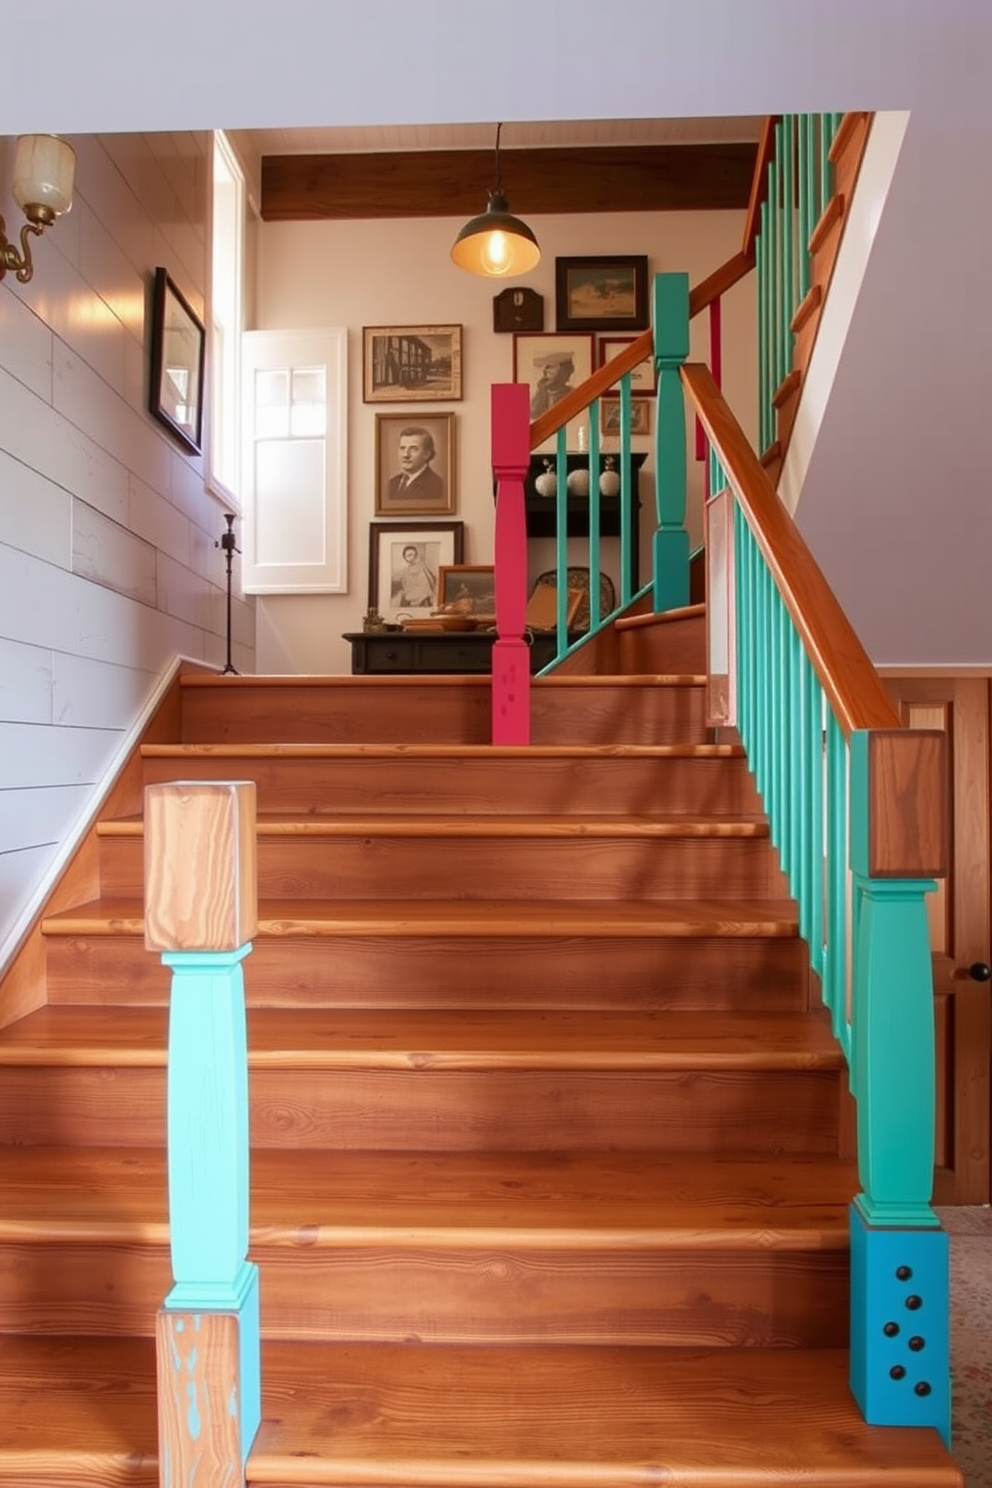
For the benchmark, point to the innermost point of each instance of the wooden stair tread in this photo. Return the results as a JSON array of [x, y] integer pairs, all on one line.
[[427, 1039], [421, 917], [382, 1415], [496, 823], [660, 617], [78, 1410], [730, 750], [690, 1418], [428, 680], [571, 1201]]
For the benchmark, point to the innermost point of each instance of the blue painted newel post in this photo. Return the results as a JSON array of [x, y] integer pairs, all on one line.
[[900, 1291], [200, 913], [670, 320]]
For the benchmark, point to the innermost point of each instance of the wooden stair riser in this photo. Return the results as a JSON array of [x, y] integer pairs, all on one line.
[[721, 975], [478, 868], [606, 713], [458, 1293], [664, 646], [740, 1111], [458, 711], [572, 785]]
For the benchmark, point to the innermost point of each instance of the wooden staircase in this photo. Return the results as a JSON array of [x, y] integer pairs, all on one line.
[[550, 1148]]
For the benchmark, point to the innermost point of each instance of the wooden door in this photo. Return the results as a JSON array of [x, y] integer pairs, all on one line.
[[959, 915]]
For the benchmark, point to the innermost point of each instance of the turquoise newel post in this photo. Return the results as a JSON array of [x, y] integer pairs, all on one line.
[[670, 319], [900, 1362], [200, 912]]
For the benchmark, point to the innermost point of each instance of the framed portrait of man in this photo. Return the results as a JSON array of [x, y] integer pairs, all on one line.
[[552, 366], [414, 464]]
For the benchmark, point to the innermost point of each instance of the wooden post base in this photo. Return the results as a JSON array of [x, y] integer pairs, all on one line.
[[209, 1398], [900, 1352]]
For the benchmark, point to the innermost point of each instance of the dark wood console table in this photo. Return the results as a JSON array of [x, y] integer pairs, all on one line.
[[379, 653]]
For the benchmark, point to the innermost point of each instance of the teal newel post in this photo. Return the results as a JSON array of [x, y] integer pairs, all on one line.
[[670, 319], [900, 1359], [200, 911]]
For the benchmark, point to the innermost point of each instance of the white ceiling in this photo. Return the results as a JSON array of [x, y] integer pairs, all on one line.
[[389, 138]]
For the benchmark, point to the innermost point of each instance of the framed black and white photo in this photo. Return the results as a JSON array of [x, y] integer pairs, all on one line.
[[177, 341], [412, 364], [405, 560], [414, 464], [602, 293]]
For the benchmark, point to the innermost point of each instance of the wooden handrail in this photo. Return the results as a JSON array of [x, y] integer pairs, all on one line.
[[759, 184], [844, 668], [721, 279]]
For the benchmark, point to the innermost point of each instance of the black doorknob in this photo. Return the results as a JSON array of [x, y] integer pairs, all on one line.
[[980, 971]]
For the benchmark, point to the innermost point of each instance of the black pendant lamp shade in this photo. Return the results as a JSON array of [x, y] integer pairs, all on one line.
[[496, 244]]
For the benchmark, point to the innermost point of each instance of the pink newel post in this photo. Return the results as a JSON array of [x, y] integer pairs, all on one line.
[[511, 654]]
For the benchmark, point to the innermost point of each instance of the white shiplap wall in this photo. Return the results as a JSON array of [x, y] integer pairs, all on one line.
[[108, 564]]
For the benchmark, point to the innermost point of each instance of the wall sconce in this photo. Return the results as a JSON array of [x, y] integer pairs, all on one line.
[[495, 243], [44, 167]]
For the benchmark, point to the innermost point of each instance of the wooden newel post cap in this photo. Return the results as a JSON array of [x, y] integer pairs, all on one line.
[[201, 871]]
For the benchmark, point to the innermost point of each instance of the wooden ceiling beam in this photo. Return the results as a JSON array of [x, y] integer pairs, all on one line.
[[455, 183]]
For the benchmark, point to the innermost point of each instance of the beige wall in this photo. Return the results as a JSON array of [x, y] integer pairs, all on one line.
[[399, 273]]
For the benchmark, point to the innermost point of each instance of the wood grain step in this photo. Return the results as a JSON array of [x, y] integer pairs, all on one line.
[[648, 709], [317, 779], [81, 1411], [488, 1417], [678, 1082], [457, 856], [721, 974], [672, 640], [730, 918], [607, 1248]]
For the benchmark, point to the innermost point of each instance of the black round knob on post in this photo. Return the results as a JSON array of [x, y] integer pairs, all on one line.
[[980, 971]]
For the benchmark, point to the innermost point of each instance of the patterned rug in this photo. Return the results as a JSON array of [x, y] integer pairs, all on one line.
[[970, 1232]]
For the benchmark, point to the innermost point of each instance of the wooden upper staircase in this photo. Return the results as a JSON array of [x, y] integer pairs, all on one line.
[[551, 1161]]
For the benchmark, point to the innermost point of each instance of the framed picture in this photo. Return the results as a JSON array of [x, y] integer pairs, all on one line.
[[601, 294], [643, 380], [176, 385], [414, 464], [404, 563], [468, 589], [412, 364], [551, 365], [609, 417]]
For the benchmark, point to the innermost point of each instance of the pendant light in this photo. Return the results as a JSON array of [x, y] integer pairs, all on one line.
[[496, 244]]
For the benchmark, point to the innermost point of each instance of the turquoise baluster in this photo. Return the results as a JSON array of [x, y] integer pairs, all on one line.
[[628, 510], [671, 347], [595, 524]]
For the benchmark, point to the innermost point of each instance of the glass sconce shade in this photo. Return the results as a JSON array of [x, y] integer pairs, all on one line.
[[44, 169]]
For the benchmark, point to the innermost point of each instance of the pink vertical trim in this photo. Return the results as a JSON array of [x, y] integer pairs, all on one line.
[[511, 654]]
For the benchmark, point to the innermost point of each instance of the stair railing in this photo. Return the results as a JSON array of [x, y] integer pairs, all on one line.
[[201, 909], [794, 223], [857, 806]]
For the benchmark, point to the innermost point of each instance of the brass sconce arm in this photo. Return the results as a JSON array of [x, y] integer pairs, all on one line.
[[23, 265]]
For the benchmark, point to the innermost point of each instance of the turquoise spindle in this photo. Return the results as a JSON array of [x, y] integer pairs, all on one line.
[[671, 347]]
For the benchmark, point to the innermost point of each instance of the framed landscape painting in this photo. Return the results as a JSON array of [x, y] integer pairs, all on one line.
[[602, 294]]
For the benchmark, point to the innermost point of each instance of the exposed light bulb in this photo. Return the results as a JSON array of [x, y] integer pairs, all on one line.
[[496, 253]]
